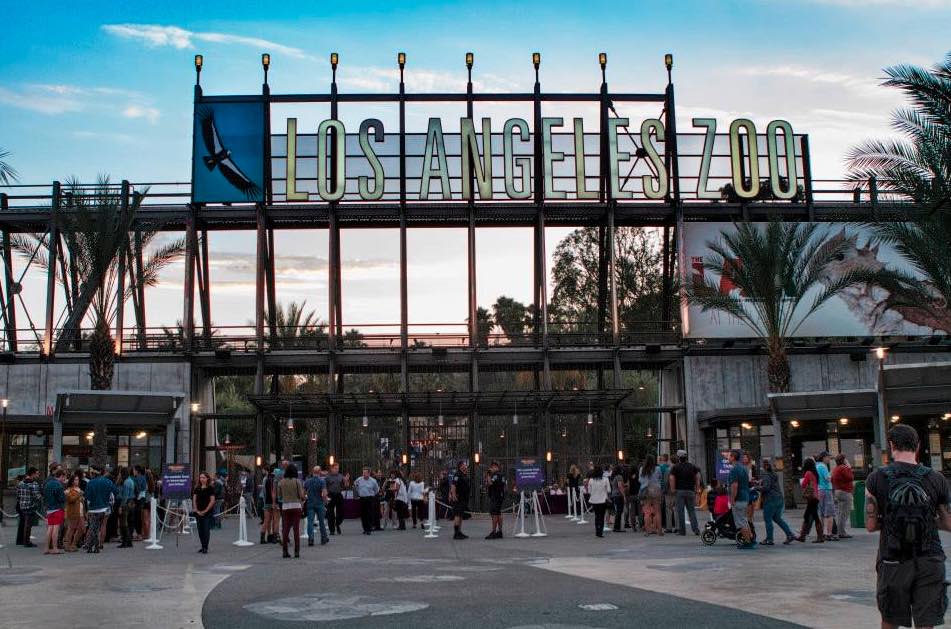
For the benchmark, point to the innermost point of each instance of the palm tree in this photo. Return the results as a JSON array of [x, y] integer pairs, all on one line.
[[919, 165], [96, 224], [918, 168], [778, 272], [7, 173]]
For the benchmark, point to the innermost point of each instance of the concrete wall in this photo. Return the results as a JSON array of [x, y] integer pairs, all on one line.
[[720, 382], [32, 388]]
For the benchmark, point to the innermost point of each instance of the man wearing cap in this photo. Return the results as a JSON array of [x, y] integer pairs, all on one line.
[[826, 496], [684, 485]]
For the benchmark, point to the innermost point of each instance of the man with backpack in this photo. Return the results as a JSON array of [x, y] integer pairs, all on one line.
[[908, 503]]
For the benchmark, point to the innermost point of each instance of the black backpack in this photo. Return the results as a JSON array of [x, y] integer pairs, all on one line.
[[909, 521]]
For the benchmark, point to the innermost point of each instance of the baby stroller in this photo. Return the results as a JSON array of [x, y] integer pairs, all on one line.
[[724, 526]]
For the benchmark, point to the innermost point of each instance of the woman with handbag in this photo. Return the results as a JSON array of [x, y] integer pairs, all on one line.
[[292, 495], [203, 501], [810, 493]]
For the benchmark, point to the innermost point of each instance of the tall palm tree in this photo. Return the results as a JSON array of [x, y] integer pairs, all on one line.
[[779, 279], [96, 226], [7, 173], [916, 167]]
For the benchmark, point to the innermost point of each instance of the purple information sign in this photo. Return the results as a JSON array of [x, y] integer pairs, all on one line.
[[176, 481], [529, 474]]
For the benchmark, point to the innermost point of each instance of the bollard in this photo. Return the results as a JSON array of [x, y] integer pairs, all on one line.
[[571, 503], [153, 518], [431, 533], [537, 507], [242, 525], [520, 518], [581, 510]]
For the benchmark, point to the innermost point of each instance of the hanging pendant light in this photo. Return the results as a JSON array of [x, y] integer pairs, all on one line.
[[290, 417], [515, 416], [366, 420], [440, 420], [590, 416]]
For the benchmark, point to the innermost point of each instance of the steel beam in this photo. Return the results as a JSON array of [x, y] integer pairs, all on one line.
[[205, 290], [11, 313], [51, 273], [188, 317]]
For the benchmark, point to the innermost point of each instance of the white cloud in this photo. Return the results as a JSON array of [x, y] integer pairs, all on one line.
[[158, 35], [50, 104], [139, 111]]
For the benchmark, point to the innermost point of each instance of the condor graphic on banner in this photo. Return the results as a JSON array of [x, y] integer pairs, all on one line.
[[859, 310], [228, 152]]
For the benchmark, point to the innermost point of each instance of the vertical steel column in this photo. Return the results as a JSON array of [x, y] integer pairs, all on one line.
[[11, 318], [51, 274], [604, 244], [807, 176], [541, 259], [269, 280], [120, 280], [188, 317], [672, 156], [473, 304], [139, 265], [335, 380], [206, 282], [404, 279]]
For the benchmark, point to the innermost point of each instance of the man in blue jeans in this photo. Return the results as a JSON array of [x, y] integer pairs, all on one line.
[[316, 489]]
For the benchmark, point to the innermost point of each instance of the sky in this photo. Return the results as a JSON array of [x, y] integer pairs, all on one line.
[[93, 87]]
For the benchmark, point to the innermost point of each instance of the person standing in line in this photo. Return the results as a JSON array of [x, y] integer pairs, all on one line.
[[336, 483], [597, 487], [366, 488], [99, 491], [666, 498], [773, 506], [74, 515], [618, 497], [739, 483], [316, 489], [574, 482], [417, 488], [908, 503], [810, 493], [270, 516], [459, 499], [400, 500], [55, 497], [292, 496], [843, 483], [146, 514], [649, 478], [826, 496], [138, 508], [203, 501], [495, 488], [28, 500], [126, 506], [684, 485], [380, 500]]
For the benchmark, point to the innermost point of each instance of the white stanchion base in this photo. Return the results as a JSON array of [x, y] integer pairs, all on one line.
[[539, 535], [523, 535], [154, 546], [242, 543], [430, 536]]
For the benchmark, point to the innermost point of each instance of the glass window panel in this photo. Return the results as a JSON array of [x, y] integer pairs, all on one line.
[[123, 456], [19, 440], [854, 450], [155, 440], [70, 440], [766, 430], [37, 440]]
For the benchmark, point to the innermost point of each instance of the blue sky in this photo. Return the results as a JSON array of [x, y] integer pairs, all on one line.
[[91, 87]]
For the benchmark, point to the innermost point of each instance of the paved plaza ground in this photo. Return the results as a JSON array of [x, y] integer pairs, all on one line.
[[569, 579]]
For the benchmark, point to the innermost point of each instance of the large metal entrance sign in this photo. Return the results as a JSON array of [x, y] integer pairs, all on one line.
[[244, 151]]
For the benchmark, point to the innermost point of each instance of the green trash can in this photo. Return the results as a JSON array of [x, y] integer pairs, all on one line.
[[858, 505]]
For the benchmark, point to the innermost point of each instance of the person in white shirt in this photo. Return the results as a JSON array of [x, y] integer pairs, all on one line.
[[416, 491], [598, 487]]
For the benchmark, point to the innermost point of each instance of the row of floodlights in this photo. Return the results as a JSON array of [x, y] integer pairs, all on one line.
[[401, 60]]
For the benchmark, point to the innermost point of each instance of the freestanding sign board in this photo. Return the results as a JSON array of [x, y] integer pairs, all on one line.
[[176, 481], [529, 474]]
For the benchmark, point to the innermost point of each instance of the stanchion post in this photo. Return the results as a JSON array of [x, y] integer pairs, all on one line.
[[431, 533], [581, 510], [537, 507], [242, 525], [520, 519], [153, 539]]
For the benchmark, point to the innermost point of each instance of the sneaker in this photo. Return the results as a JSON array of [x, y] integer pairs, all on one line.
[[490, 535], [790, 539], [846, 536], [460, 536], [324, 541], [310, 541], [767, 542]]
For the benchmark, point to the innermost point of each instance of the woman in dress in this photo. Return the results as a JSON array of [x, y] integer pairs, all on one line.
[[75, 529], [651, 494]]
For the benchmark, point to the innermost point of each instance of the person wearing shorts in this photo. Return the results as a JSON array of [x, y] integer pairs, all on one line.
[[495, 487], [55, 496], [459, 499], [911, 576]]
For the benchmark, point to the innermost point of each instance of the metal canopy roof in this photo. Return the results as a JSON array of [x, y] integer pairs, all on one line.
[[117, 407], [824, 405], [918, 388], [709, 419], [447, 402]]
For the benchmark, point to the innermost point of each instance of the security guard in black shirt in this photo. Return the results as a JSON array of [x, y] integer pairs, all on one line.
[[459, 498], [495, 487]]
